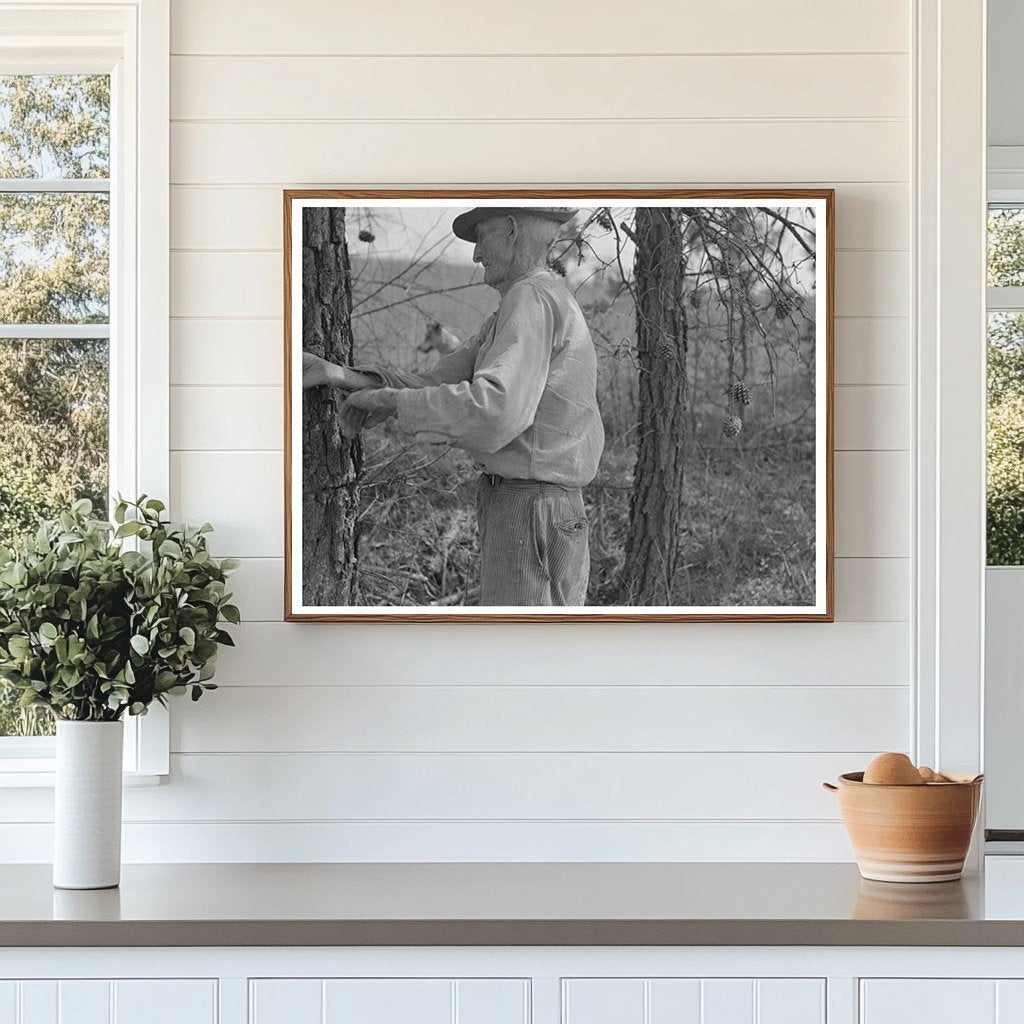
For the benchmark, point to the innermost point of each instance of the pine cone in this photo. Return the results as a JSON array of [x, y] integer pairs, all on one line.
[[732, 426], [367, 236], [695, 299], [783, 307], [665, 349], [739, 392]]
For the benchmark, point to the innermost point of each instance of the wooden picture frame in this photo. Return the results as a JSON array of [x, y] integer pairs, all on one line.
[[792, 305]]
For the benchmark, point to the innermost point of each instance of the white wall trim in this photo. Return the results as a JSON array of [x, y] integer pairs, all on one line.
[[949, 178]]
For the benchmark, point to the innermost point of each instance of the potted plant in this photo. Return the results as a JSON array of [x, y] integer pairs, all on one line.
[[93, 631]]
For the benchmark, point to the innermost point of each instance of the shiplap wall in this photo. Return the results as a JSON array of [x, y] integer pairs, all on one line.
[[594, 742]]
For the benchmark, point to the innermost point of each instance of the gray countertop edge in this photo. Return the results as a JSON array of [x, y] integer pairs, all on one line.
[[511, 933]]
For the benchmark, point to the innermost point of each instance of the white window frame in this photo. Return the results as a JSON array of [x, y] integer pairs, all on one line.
[[130, 41], [1005, 583], [949, 443]]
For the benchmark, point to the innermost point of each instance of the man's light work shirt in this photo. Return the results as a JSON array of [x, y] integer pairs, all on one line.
[[521, 396]]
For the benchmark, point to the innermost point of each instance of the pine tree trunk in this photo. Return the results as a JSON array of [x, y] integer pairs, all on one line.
[[655, 505], [330, 463]]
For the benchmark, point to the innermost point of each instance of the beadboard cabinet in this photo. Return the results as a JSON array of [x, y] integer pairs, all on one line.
[[512, 985]]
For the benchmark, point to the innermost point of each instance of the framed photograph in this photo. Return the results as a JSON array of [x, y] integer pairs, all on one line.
[[558, 405]]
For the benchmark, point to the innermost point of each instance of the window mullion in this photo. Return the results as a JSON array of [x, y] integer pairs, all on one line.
[[54, 185], [63, 332]]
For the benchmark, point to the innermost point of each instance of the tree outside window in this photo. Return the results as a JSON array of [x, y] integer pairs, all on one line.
[[54, 307]]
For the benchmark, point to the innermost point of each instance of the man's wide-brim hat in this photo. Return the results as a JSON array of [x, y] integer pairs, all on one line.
[[464, 226]]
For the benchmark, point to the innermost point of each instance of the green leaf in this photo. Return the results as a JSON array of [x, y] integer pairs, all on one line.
[[140, 644], [155, 504], [170, 549], [49, 631], [129, 529], [188, 634], [231, 613]]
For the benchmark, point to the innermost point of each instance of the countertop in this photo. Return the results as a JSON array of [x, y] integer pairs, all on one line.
[[494, 904]]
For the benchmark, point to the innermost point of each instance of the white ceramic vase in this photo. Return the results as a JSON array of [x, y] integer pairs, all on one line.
[[87, 805]]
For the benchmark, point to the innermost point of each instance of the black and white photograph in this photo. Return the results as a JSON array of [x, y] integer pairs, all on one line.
[[558, 405]]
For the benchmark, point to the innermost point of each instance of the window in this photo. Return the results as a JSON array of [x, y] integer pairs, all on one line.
[[54, 309], [84, 125], [1005, 476]]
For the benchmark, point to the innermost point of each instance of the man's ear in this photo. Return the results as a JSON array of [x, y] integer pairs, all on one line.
[[513, 228]]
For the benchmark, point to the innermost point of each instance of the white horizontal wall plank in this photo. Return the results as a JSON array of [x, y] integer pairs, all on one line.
[[238, 418], [603, 1001], [871, 418], [872, 283], [227, 352], [593, 719], [652, 151], [872, 350], [240, 493], [796, 654], [867, 589], [872, 504], [233, 284], [375, 787], [538, 88], [868, 216], [258, 586], [160, 842], [872, 589], [459, 26]]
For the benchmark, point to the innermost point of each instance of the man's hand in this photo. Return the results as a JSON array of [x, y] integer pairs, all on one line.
[[374, 400], [317, 371], [365, 409]]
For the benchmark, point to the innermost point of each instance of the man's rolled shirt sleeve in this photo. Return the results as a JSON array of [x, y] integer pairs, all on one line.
[[500, 401]]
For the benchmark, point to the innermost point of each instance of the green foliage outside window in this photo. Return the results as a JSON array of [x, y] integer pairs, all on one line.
[[54, 269], [1005, 478]]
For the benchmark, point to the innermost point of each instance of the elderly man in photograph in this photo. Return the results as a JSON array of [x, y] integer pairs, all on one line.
[[520, 398]]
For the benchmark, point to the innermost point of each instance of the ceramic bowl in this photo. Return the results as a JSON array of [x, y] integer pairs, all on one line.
[[909, 833]]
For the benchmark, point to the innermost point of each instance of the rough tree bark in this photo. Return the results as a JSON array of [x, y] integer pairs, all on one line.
[[655, 504], [330, 463]]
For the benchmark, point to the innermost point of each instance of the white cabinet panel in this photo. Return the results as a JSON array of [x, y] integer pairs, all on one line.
[[727, 1001], [285, 1001], [84, 1002], [388, 1001], [603, 1001], [928, 1001], [693, 1001], [790, 1001], [492, 1001], [8, 1002], [1009, 1002], [38, 1002], [674, 1000], [165, 1002]]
